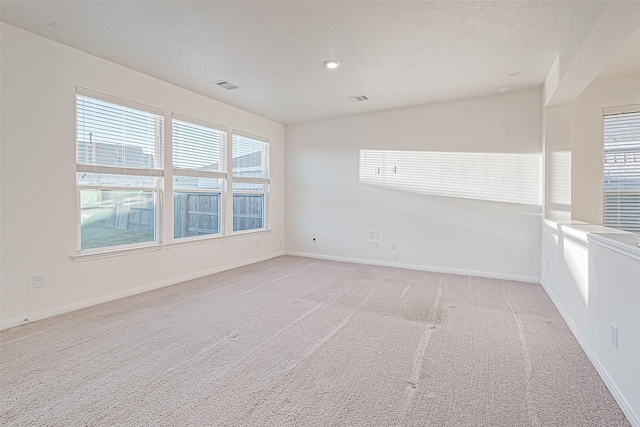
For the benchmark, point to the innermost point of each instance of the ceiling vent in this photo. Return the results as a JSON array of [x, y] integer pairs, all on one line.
[[358, 98], [226, 85]]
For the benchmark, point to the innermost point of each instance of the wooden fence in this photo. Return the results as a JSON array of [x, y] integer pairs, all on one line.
[[195, 214]]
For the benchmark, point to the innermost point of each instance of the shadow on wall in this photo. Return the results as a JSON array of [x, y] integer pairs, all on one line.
[[509, 221], [498, 177], [559, 187], [495, 194]]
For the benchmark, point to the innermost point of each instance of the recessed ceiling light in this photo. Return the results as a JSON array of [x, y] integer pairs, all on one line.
[[503, 88], [332, 64]]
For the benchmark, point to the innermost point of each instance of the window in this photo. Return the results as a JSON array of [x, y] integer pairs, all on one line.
[[622, 169], [250, 156], [120, 176], [119, 167], [199, 170]]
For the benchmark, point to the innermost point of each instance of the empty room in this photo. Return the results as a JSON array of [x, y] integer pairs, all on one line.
[[320, 213]]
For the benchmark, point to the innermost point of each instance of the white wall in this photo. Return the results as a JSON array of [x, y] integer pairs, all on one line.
[[39, 79], [587, 141], [591, 285], [594, 286], [326, 200], [557, 151]]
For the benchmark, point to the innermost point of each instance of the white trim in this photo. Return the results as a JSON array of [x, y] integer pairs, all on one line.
[[82, 91], [132, 188], [622, 109], [159, 216], [238, 180], [55, 311], [199, 173], [177, 240], [120, 251], [198, 190], [619, 398], [97, 253], [249, 135], [203, 123], [115, 170], [591, 233], [462, 272], [616, 246], [250, 231]]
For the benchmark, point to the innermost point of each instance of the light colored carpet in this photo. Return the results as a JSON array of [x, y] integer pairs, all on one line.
[[301, 342]]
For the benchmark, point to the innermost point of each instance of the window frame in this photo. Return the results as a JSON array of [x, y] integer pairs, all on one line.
[[162, 172], [154, 173], [265, 210], [246, 180], [112, 248], [634, 190], [222, 176]]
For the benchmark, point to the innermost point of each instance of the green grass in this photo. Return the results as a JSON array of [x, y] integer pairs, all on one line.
[[95, 235]]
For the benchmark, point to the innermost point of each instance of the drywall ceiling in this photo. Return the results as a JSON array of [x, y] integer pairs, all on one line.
[[627, 60], [396, 53]]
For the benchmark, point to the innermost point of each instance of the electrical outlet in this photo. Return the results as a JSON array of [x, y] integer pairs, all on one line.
[[393, 246], [394, 255], [38, 281], [614, 335], [374, 239]]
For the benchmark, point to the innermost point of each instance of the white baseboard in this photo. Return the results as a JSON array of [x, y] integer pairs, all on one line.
[[463, 272], [62, 309], [622, 402]]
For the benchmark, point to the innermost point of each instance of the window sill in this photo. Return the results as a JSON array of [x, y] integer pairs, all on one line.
[[88, 256], [623, 242], [628, 247]]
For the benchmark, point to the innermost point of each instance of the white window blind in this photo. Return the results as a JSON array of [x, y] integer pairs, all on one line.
[[113, 138], [250, 157], [198, 149], [622, 171]]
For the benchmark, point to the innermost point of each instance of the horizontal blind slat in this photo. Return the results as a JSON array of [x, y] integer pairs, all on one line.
[[621, 204], [250, 157], [197, 147], [117, 136]]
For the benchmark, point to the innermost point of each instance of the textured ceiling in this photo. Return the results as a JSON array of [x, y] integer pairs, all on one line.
[[397, 53]]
